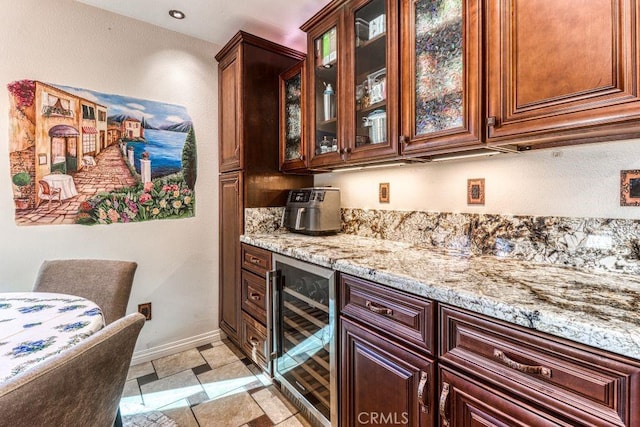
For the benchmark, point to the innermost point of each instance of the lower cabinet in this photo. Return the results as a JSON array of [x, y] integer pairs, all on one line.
[[255, 299], [383, 383], [465, 402], [254, 343]]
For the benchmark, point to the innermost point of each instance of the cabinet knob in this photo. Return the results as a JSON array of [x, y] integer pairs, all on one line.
[[302, 157], [348, 150], [492, 121], [403, 139]]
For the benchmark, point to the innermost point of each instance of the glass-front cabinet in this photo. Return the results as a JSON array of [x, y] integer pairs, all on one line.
[[293, 143], [371, 75], [427, 50], [441, 75], [325, 92]]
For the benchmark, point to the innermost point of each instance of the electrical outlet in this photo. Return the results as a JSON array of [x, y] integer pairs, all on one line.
[[145, 309], [384, 192]]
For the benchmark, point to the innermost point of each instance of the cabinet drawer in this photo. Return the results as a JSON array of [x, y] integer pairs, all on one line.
[[256, 260], [587, 386], [254, 341], [254, 296], [465, 402], [407, 317]]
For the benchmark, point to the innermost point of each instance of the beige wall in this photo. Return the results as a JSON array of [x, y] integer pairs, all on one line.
[[67, 42], [580, 181]]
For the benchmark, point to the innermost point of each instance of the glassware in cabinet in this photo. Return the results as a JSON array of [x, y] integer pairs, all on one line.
[[325, 88], [372, 74]]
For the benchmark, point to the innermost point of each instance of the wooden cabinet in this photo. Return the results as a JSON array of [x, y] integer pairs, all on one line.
[[562, 71], [371, 109], [382, 382], [293, 105], [387, 377], [254, 341], [230, 101], [389, 311], [231, 226], [466, 402], [465, 75], [440, 65], [255, 302], [248, 70], [578, 384], [441, 76], [325, 35]]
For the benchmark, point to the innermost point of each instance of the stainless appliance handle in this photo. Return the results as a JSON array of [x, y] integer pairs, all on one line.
[[273, 313], [284, 214], [299, 218]]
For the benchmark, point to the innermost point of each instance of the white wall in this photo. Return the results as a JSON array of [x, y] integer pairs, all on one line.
[[69, 43], [580, 181]]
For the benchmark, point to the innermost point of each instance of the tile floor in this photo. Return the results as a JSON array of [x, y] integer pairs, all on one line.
[[210, 386]]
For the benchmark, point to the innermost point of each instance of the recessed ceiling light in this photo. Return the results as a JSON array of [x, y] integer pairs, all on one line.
[[177, 14]]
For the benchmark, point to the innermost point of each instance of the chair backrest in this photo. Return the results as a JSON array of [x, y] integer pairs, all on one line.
[[81, 386], [44, 186], [105, 282]]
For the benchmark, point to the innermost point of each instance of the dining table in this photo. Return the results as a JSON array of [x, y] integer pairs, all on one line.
[[64, 182], [37, 325]]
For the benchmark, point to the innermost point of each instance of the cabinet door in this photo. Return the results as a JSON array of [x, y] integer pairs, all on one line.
[[293, 144], [464, 402], [325, 90], [231, 226], [382, 383], [230, 100], [441, 75], [371, 82], [562, 70]]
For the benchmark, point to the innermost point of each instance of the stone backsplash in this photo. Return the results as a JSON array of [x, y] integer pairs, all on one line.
[[585, 243]]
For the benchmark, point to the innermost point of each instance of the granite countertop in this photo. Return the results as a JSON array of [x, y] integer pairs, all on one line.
[[599, 309]]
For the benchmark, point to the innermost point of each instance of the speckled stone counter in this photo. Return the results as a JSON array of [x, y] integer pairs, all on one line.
[[599, 309]]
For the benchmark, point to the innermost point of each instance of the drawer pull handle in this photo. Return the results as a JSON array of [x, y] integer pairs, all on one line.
[[443, 404], [254, 296], [253, 341], [378, 310], [421, 387], [527, 369], [254, 260]]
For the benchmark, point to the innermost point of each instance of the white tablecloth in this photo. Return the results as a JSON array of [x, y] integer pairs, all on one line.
[[64, 183], [37, 325]]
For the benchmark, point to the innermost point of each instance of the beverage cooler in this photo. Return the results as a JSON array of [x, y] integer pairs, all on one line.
[[304, 336]]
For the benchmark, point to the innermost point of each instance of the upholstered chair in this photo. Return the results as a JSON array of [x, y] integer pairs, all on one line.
[[105, 282], [81, 386]]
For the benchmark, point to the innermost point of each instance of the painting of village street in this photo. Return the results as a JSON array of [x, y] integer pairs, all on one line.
[[82, 157]]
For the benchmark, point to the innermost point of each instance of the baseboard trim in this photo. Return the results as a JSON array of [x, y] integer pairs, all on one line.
[[163, 350]]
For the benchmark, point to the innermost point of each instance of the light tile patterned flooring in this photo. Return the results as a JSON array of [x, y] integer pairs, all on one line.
[[210, 386]]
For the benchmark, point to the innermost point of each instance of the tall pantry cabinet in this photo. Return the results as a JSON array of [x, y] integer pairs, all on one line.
[[248, 70]]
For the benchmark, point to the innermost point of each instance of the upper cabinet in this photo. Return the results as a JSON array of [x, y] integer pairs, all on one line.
[[563, 71], [441, 75], [229, 94], [325, 90], [406, 79], [371, 77], [248, 70], [293, 138]]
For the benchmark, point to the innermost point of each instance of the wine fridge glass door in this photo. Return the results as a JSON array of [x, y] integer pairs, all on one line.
[[305, 335]]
